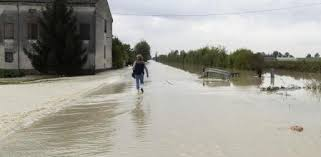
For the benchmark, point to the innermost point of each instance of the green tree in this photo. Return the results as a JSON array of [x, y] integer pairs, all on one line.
[[275, 54], [156, 57], [309, 56], [143, 48], [118, 53], [242, 59], [131, 57], [59, 48], [129, 54], [257, 62], [122, 54], [317, 55]]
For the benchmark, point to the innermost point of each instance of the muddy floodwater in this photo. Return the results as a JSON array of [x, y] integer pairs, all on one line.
[[180, 115]]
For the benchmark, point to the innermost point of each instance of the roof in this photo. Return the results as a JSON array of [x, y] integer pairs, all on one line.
[[48, 1], [73, 2]]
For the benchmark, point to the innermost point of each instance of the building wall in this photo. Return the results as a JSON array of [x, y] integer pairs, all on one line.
[[8, 15], [269, 58], [26, 16], [103, 39], [286, 59], [85, 14]]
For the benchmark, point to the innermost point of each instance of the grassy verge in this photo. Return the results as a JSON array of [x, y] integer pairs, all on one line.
[[16, 77], [25, 80], [10, 73]]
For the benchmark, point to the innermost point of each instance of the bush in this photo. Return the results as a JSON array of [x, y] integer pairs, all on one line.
[[245, 59], [122, 54], [10, 73]]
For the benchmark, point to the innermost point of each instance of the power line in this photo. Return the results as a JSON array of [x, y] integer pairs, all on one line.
[[221, 14]]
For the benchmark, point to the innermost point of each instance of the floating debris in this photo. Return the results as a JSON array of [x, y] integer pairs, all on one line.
[[270, 89], [297, 128], [274, 89], [314, 85]]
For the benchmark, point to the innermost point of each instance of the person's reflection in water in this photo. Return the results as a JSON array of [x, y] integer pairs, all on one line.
[[272, 81], [260, 81], [272, 77], [140, 117], [259, 72]]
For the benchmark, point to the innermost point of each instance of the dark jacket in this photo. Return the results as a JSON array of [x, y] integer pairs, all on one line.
[[139, 68]]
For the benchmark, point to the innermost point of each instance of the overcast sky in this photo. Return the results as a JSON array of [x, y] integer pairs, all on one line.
[[297, 31]]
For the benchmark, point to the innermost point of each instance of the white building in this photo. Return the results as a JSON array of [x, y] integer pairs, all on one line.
[[19, 28], [286, 59]]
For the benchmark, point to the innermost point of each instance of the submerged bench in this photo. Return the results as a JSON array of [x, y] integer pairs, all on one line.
[[226, 74]]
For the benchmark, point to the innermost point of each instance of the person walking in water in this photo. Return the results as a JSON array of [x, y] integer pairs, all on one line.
[[138, 72]]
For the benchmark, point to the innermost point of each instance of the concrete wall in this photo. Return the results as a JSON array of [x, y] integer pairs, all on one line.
[[8, 15], [286, 59], [103, 39], [25, 18], [86, 15]]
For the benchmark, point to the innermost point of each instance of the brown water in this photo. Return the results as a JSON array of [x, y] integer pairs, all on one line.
[[178, 116]]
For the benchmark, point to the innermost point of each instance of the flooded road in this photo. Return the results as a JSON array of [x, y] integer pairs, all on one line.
[[179, 117]]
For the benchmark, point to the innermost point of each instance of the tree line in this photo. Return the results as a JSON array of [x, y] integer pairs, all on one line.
[[242, 59], [216, 57], [311, 63], [124, 55], [277, 54], [316, 55]]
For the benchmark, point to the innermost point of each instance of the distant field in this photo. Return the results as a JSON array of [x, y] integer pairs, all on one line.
[[312, 65]]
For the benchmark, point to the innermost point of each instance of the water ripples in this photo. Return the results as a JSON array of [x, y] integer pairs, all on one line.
[[84, 129]]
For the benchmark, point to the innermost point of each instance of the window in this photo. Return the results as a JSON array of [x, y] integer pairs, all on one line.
[[8, 31], [8, 57], [32, 31], [84, 31], [104, 51], [105, 26], [32, 11]]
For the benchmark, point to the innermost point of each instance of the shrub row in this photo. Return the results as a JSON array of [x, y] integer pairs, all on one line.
[[10, 73]]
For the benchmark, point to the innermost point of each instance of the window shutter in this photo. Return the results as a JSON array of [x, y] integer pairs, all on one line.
[[9, 31]]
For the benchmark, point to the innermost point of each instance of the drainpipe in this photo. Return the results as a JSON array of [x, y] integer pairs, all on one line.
[[94, 39], [18, 36]]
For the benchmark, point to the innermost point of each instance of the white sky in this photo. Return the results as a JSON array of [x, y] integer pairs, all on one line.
[[297, 31]]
